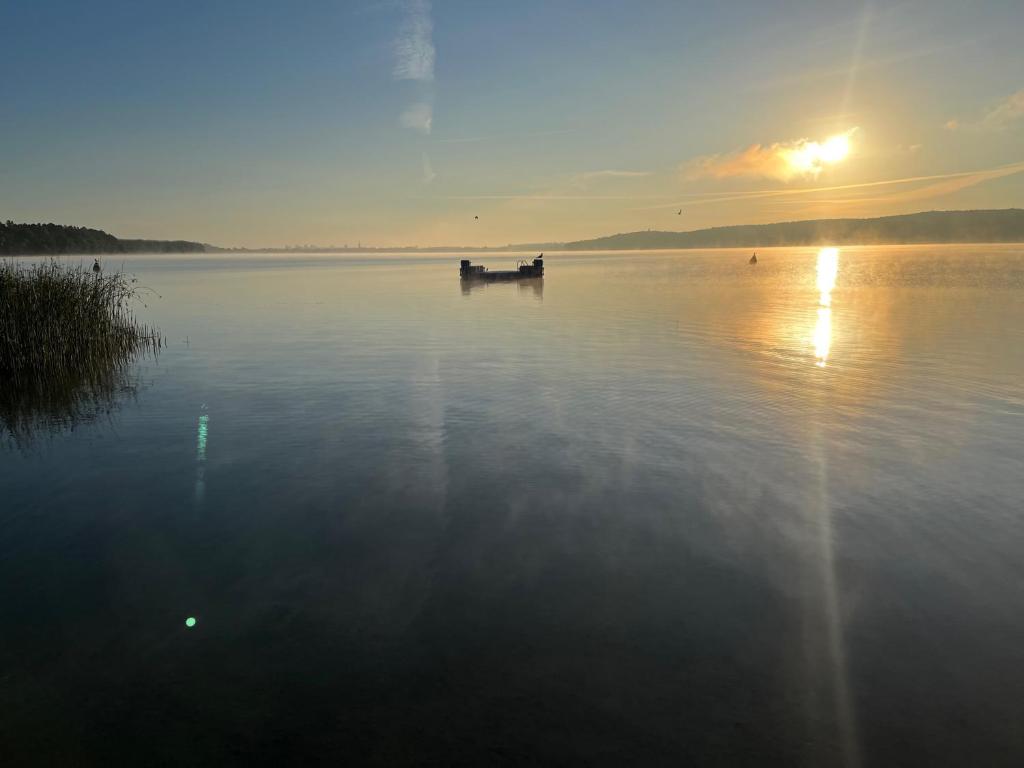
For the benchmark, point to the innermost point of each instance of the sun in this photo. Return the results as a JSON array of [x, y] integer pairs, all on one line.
[[835, 148], [809, 158]]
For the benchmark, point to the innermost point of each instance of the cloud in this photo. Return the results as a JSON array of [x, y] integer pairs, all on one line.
[[755, 160], [495, 136], [1008, 112], [800, 158], [548, 196], [1001, 117], [584, 180], [613, 174], [414, 48], [428, 170], [419, 117], [414, 60]]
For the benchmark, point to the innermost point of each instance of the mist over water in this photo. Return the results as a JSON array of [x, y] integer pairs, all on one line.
[[657, 507]]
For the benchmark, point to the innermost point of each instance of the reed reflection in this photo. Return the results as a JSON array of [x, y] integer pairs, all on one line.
[[52, 404], [828, 268]]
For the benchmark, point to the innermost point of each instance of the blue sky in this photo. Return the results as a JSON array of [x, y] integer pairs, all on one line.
[[266, 123]]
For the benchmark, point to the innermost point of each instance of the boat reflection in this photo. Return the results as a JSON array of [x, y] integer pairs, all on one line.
[[532, 287]]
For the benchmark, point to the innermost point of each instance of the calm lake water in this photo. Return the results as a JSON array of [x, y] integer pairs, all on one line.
[[657, 508]]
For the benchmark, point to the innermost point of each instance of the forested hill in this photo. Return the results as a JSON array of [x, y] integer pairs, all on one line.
[[997, 226], [56, 239]]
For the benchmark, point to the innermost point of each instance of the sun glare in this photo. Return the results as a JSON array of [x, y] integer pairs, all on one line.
[[822, 337], [810, 157], [835, 148], [828, 268]]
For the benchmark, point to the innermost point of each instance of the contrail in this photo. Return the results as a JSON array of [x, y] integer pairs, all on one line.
[[703, 198], [414, 48]]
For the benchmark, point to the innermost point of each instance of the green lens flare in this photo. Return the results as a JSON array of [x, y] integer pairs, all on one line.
[[190, 621]]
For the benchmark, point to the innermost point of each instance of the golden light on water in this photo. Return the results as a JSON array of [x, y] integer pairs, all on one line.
[[828, 268], [822, 336]]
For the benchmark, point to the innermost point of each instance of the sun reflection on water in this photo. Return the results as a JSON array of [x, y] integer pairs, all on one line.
[[828, 267], [201, 434], [822, 335]]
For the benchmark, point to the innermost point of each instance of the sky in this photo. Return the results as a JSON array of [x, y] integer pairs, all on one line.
[[272, 123]]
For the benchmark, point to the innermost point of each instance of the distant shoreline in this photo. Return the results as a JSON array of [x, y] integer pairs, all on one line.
[[927, 228]]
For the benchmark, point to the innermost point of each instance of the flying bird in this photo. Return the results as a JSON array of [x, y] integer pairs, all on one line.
[[476, 217], [679, 212]]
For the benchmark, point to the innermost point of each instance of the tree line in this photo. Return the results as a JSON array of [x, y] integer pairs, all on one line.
[[58, 239], [987, 226]]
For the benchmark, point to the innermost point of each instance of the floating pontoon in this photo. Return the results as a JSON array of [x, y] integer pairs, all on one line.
[[524, 270]]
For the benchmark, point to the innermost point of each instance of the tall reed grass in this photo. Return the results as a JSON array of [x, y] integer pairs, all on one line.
[[59, 321], [67, 339]]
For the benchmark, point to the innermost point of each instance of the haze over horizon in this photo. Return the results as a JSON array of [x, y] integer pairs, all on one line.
[[400, 122]]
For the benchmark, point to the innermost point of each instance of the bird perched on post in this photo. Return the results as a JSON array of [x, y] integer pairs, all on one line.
[[96, 266]]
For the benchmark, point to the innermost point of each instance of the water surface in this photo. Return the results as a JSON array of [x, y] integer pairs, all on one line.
[[658, 507]]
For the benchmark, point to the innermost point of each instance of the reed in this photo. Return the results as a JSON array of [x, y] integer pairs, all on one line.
[[62, 322]]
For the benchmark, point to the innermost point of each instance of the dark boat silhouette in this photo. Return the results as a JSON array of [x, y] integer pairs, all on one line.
[[524, 270]]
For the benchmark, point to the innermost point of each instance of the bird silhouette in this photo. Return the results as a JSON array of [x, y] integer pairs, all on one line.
[[679, 212], [476, 217]]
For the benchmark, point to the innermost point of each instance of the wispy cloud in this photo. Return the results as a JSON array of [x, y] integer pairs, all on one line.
[[419, 117], [613, 174], [543, 196], [1001, 117], [428, 170], [496, 136], [799, 158], [414, 47], [414, 60], [756, 160]]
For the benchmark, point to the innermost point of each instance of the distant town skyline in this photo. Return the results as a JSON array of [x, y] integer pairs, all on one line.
[[418, 123]]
